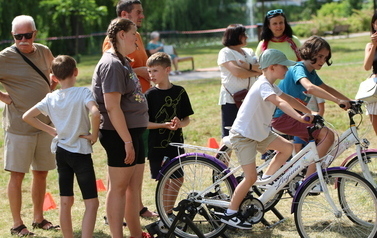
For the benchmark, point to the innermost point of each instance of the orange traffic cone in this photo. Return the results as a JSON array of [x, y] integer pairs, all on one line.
[[49, 202], [212, 143], [100, 185]]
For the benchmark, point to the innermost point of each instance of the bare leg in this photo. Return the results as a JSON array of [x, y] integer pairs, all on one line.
[[373, 120], [285, 149], [132, 211], [170, 193], [118, 181], [243, 187], [38, 192], [65, 216], [89, 219], [15, 197], [324, 141]]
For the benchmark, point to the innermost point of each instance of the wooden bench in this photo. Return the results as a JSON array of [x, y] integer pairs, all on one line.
[[169, 49], [187, 58], [338, 29]]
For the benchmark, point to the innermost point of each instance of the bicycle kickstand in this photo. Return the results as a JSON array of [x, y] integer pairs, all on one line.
[[183, 206]]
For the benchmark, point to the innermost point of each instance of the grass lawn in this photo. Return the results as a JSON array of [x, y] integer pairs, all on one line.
[[345, 74]]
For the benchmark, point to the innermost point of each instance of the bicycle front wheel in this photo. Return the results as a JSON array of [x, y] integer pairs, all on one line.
[[355, 200], [371, 161], [186, 179]]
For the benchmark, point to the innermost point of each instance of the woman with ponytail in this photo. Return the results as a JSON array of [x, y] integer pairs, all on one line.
[[124, 117], [278, 34]]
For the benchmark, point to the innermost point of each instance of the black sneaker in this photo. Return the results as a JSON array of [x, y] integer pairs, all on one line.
[[235, 221]]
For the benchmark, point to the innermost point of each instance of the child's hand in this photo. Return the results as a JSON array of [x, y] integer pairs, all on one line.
[[176, 122], [307, 118], [90, 137], [170, 125], [345, 104]]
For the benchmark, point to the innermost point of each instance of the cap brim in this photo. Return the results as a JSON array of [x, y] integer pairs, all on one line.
[[288, 63]]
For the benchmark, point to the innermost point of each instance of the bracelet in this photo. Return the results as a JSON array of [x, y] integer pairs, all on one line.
[[250, 67], [128, 142]]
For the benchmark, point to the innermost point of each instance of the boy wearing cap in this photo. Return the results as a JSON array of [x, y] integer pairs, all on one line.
[[251, 132]]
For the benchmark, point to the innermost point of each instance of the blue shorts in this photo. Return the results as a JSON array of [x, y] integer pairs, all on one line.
[[228, 115], [71, 164], [114, 146]]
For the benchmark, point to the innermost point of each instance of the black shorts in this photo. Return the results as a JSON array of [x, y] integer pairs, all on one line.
[[155, 167], [114, 146], [70, 164]]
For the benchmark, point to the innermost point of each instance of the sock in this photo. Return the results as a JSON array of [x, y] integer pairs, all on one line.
[[230, 211], [264, 176]]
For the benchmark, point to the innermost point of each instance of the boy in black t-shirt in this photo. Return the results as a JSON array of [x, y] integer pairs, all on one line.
[[169, 111]]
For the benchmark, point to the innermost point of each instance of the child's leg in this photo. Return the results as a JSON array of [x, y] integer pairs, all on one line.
[[89, 219], [170, 193], [66, 203], [324, 141], [243, 187], [285, 149]]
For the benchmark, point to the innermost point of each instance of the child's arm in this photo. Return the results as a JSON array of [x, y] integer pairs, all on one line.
[[181, 123], [95, 121], [326, 92], [296, 104], [288, 109], [166, 125], [321, 109], [30, 117]]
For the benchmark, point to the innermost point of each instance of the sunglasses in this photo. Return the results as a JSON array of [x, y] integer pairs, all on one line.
[[274, 12], [27, 36]]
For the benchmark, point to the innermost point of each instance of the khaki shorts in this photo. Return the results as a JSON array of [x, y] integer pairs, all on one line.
[[23, 151], [246, 148]]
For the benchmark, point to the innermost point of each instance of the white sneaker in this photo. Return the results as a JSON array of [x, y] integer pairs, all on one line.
[[317, 189], [161, 224], [172, 73], [235, 221]]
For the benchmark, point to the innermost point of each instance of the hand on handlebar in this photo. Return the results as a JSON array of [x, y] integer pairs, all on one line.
[[307, 118], [345, 104]]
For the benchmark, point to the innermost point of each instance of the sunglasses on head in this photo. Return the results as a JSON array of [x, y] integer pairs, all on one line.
[[26, 35], [274, 12]]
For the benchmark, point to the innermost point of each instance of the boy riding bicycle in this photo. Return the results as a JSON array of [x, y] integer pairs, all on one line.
[[251, 131]]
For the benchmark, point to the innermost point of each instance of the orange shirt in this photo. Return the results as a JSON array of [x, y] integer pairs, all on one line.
[[139, 57]]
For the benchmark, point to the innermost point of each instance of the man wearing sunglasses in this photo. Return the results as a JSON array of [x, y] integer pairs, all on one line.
[[24, 146]]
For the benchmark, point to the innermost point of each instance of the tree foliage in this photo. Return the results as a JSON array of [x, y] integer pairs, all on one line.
[[77, 17]]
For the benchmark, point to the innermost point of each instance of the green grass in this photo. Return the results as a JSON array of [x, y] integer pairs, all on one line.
[[345, 74]]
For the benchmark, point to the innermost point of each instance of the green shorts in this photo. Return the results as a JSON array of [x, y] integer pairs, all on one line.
[[22, 152]]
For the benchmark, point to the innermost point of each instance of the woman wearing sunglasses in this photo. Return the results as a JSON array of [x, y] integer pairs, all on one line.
[[278, 34]]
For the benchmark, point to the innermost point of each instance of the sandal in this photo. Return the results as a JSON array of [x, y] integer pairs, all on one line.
[[18, 231], [43, 225], [145, 213]]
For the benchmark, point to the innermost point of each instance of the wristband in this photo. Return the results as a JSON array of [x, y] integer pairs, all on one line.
[[250, 67], [128, 142]]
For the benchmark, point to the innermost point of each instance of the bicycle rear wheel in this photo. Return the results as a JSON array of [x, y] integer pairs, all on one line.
[[185, 179], [353, 196], [371, 160]]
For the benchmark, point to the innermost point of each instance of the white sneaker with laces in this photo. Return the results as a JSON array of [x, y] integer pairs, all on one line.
[[235, 221]]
